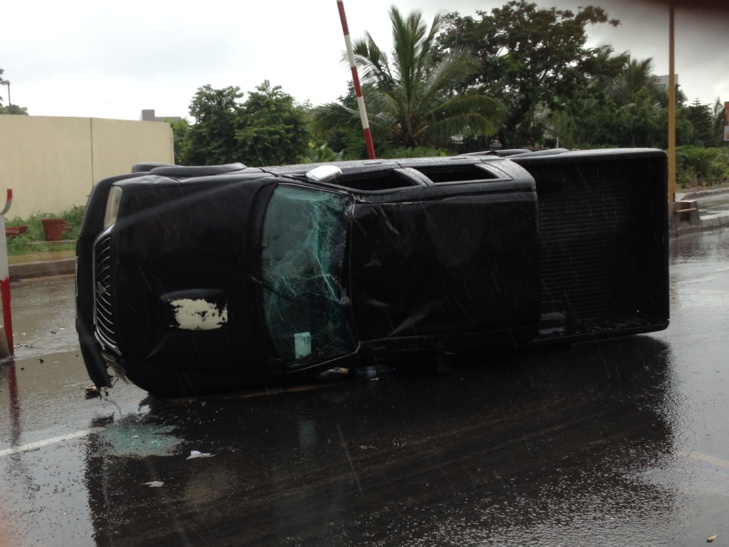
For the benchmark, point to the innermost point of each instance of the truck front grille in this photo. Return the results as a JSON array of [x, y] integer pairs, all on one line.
[[103, 311]]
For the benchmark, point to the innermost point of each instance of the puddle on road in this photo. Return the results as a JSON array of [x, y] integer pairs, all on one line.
[[690, 472]]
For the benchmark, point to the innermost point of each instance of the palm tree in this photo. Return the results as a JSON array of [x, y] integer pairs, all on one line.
[[635, 76], [411, 97]]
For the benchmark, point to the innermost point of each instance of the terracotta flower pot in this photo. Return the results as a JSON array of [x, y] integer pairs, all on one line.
[[53, 228], [12, 231]]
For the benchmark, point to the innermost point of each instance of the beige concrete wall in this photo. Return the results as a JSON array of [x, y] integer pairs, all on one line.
[[52, 163]]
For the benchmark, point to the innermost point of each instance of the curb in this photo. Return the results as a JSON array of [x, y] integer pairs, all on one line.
[[709, 222], [685, 214], [52, 268], [690, 196]]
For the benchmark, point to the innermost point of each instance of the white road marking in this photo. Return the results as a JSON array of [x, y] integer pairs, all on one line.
[[45, 442]]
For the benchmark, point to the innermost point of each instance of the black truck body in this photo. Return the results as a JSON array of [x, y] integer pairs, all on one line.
[[208, 279]]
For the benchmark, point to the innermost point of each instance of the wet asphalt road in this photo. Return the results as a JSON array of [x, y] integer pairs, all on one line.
[[619, 443]]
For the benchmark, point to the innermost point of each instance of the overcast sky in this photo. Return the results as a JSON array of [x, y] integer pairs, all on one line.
[[111, 60]]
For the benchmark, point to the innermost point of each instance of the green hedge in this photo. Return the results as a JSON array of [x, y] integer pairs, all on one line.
[[699, 166]]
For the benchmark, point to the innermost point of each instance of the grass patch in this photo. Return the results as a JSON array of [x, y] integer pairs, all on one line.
[[23, 244]]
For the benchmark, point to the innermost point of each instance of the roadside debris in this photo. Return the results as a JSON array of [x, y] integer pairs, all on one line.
[[711, 538], [197, 454], [372, 372], [154, 484], [336, 373]]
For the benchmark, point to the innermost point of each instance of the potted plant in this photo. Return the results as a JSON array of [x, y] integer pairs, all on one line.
[[53, 228]]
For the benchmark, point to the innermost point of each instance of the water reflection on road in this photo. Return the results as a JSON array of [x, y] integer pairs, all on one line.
[[542, 441], [714, 204], [607, 444], [43, 317]]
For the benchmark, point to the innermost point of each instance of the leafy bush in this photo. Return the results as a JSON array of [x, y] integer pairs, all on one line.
[[20, 245], [696, 165], [73, 217]]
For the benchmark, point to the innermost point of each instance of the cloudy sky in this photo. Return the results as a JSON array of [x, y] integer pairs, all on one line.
[[111, 60]]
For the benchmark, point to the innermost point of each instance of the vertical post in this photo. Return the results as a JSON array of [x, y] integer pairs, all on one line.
[[5, 276], [10, 102], [671, 104], [357, 87]]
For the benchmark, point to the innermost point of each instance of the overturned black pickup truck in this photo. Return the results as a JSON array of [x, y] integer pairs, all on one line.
[[207, 279]]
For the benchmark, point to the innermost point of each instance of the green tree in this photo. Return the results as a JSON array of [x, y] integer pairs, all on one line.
[[585, 120], [639, 122], [628, 110], [533, 60], [701, 118], [11, 108], [343, 136], [14, 109], [212, 140], [180, 132], [601, 71], [635, 76], [410, 96], [272, 129]]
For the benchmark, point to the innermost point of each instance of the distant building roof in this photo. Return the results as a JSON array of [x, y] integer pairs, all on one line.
[[149, 116], [662, 82]]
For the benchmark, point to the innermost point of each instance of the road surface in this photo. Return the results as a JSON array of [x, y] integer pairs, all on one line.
[[619, 443]]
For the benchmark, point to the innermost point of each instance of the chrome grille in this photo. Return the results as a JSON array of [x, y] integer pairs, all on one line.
[[103, 312]]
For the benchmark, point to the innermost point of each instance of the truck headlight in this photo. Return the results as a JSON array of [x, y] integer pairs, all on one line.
[[112, 206]]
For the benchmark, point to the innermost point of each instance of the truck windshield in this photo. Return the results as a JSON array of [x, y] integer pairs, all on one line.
[[308, 313]]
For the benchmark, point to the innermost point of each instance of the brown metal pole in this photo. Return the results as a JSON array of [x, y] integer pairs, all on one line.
[[671, 105]]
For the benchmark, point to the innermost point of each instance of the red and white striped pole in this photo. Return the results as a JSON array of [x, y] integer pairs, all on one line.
[[357, 87]]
